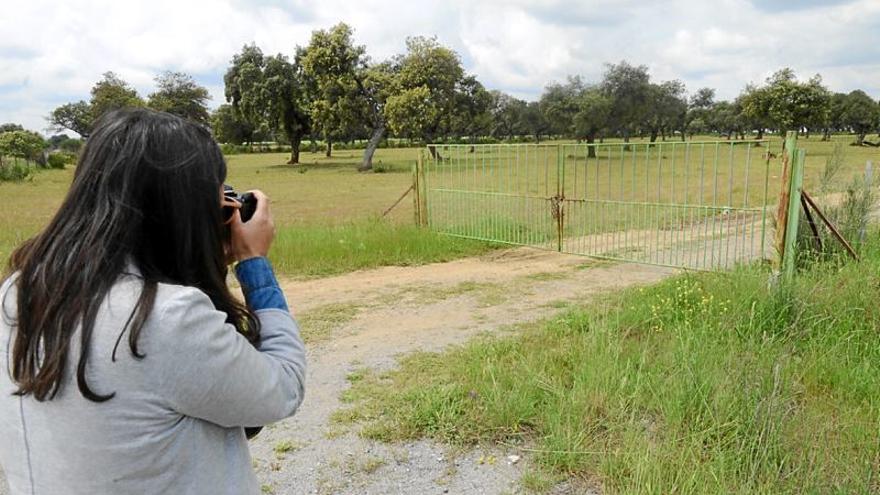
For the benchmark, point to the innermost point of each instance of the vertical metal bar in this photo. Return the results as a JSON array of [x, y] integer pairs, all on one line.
[[560, 190], [747, 215], [714, 209], [517, 188], [634, 198], [589, 213], [675, 229], [764, 203], [645, 207], [611, 226], [461, 214], [626, 207], [657, 215], [585, 206], [688, 212], [476, 195], [524, 192], [729, 210], [467, 195], [484, 188]]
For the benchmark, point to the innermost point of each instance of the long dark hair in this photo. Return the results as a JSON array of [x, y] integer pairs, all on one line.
[[146, 191]]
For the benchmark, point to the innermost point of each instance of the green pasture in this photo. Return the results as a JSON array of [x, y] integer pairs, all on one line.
[[328, 215]]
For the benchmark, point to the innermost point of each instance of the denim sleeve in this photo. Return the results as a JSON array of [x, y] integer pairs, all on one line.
[[258, 283]]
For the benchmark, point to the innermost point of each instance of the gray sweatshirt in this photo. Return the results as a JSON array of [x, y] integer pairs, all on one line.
[[175, 424]]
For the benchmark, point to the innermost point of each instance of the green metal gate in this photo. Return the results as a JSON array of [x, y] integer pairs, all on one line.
[[698, 205]]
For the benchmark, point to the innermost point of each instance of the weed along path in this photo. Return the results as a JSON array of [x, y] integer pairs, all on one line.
[[366, 319]]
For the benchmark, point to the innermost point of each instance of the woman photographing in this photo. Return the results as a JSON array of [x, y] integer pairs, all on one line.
[[129, 365]]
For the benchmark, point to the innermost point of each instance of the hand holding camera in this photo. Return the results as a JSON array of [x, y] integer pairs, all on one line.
[[251, 225]]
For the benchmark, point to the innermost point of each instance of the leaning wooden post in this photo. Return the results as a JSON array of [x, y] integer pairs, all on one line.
[[794, 214], [782, 205]]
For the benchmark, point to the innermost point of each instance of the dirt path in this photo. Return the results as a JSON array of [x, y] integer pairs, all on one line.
[[368, 318]]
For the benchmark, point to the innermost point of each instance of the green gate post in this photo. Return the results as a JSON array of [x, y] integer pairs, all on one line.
[[794, 214]]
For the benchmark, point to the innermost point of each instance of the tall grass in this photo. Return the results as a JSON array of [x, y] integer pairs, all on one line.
[[709, 383], [318, 250]]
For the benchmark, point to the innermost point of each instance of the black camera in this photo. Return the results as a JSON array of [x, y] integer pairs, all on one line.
[[247, 202]]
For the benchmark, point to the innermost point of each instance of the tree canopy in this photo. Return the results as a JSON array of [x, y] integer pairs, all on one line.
[[333, 66], [112, 93], [178, 93], [269, 94]]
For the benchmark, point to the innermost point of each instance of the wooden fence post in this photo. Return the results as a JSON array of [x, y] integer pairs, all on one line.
[[782, 206], [794, 214]]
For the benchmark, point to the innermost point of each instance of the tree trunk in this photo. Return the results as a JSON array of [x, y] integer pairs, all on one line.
[[807, 133], [294, 150], [329, 148], [375, 138], [826, 134], [653, 135], [860, 139], [434, 154], [591, 150]]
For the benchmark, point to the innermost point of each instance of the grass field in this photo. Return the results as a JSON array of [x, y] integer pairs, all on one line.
[[325, 199], [326, 212], [707, 383]]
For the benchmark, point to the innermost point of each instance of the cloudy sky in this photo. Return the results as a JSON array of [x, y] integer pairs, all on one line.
[[53, 52]]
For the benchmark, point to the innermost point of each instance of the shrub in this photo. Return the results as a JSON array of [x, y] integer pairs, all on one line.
[[14, 172], [70, 145], [59, 160]]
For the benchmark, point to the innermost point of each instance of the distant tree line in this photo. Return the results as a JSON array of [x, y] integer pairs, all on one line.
[[331, 90]]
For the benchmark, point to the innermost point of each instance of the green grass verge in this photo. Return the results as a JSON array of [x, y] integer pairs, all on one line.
[[317, 250], [709, 383]]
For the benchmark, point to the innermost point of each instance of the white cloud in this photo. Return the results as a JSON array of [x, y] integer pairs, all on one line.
[[53, 52]]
